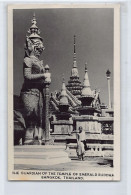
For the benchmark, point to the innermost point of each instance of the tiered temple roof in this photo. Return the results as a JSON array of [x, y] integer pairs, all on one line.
[[76, 97], [64, 100], [74, 84], [87, 102]]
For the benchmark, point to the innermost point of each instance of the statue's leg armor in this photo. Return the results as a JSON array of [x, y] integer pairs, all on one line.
[[30, 106]]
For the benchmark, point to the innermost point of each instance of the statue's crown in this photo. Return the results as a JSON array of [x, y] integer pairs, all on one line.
[[34, 31]]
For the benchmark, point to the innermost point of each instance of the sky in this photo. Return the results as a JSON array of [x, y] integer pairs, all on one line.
[[93, 28]]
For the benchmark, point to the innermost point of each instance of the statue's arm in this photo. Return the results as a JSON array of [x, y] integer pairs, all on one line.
[[30, 76]]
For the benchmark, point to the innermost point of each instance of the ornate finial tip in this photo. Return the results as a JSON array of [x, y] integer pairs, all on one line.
[[86, 66], [74, 38], [34, 18], [74, 48], [63, 78]]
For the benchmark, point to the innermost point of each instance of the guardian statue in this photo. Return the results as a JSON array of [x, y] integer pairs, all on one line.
[[36, 76]]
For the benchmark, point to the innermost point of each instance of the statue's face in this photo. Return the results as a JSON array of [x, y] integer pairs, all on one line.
[[38, 46]]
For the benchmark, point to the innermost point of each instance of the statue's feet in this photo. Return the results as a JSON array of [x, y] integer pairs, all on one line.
[[28, 142], [36, 142], [33, 142]]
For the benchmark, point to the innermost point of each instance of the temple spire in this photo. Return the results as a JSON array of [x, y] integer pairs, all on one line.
[[74, 72], [34, 19], [74, 84], [75, 50], [86, 78], [86, 91]]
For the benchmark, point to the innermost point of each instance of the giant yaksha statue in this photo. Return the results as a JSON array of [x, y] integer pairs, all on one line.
[[35, 89]]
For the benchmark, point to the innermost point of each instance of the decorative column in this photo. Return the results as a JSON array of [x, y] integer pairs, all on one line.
[[46, 118], [108, 74]]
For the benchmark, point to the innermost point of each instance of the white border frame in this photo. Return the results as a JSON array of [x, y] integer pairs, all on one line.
[[92, 188], [116, 67]]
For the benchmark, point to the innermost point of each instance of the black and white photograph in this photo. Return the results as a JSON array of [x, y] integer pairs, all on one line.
[[64, 92]]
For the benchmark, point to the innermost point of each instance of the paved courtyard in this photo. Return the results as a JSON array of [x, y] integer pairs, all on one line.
[[44, 158]]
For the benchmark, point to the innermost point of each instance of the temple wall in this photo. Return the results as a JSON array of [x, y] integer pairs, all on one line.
[[62, 129], [89, 126]]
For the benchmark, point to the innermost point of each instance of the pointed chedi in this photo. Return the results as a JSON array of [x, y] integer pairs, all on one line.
[[86, 91], [63, 96], [86, 94]]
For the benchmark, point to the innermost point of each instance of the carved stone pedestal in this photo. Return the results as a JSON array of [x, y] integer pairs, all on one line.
[[35, 156]]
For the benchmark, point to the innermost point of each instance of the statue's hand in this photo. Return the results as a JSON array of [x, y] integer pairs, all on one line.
[[47, 77]]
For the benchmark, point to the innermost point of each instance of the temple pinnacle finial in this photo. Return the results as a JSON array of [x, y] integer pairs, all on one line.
[[86, 67], [34, 19], [63, 90], [74, 71], [74, 48], [63, 78]]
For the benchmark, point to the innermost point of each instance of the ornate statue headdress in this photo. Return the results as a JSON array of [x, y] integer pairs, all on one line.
[[34, 31]]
